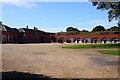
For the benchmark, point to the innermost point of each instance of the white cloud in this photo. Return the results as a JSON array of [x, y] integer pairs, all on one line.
[[19, 3]]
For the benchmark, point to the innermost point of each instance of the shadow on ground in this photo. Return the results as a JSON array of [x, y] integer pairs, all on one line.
[[23, 76], [101, 61], [28, 76]]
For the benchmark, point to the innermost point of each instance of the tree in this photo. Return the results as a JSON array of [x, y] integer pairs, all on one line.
[[112, 7], [69, 29], [84, 30], [118, 24], [72, 29], [108, 29], [115, 28], [98, 28]]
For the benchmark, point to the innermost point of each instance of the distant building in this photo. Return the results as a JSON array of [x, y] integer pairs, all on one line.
[[25, 35], [10, 35], [34, 36]]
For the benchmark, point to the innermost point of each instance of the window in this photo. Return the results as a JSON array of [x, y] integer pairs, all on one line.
[[3, 38], [13, 37], [8, 37]]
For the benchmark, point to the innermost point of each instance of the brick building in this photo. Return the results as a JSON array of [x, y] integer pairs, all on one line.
[[34, 36], [10, 35], [103, 37], [26, 35]]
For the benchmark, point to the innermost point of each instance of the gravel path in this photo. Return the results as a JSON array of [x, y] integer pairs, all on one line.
[[55, 61]]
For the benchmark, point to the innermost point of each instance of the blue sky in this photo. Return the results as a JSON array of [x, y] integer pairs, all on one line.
[[54, 16]]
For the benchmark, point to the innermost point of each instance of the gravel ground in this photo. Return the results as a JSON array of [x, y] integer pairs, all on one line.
[[55, 61]]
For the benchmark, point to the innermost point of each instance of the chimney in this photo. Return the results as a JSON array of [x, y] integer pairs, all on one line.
[[34, 28], [27, 27]]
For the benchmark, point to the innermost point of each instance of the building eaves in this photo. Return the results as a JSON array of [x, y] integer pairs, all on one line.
[[34, 31], [3, 28], [21, 30], [6, 28]]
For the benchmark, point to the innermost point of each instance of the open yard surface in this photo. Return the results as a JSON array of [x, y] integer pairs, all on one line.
[[54, 61]]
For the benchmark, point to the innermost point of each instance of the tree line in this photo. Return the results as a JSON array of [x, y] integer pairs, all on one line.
[[95, 29]]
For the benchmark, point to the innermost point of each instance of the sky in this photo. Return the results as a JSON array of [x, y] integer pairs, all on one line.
[[53, 16]]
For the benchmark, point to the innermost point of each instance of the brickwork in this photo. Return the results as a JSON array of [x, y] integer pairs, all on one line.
[[26, 35], [89, 38]]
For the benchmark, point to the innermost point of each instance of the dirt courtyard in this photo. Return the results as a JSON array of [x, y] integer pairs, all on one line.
[[55, 61]]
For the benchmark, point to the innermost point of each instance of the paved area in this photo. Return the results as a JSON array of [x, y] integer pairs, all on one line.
[[55, 61]]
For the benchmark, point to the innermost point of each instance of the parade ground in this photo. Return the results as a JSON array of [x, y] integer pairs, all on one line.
[[52, 60]]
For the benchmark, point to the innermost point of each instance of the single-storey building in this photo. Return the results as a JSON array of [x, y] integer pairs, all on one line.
[[87, 37]]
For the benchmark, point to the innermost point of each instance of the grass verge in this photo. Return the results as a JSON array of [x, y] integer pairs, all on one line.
[[110, 52], [92, 46]]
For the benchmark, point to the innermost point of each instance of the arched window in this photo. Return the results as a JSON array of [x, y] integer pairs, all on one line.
[[94, 40], [77, 40], [69, 40], [115, 40], [86, 40], [105, 40], [61, 40]]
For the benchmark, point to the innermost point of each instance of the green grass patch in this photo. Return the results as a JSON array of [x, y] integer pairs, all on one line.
[[110, 52], [92, 46]]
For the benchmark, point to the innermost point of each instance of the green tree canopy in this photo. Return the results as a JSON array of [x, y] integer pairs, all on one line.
[[98, 28], [112, 7], [115, 28], [84, 30], [72, 29]]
